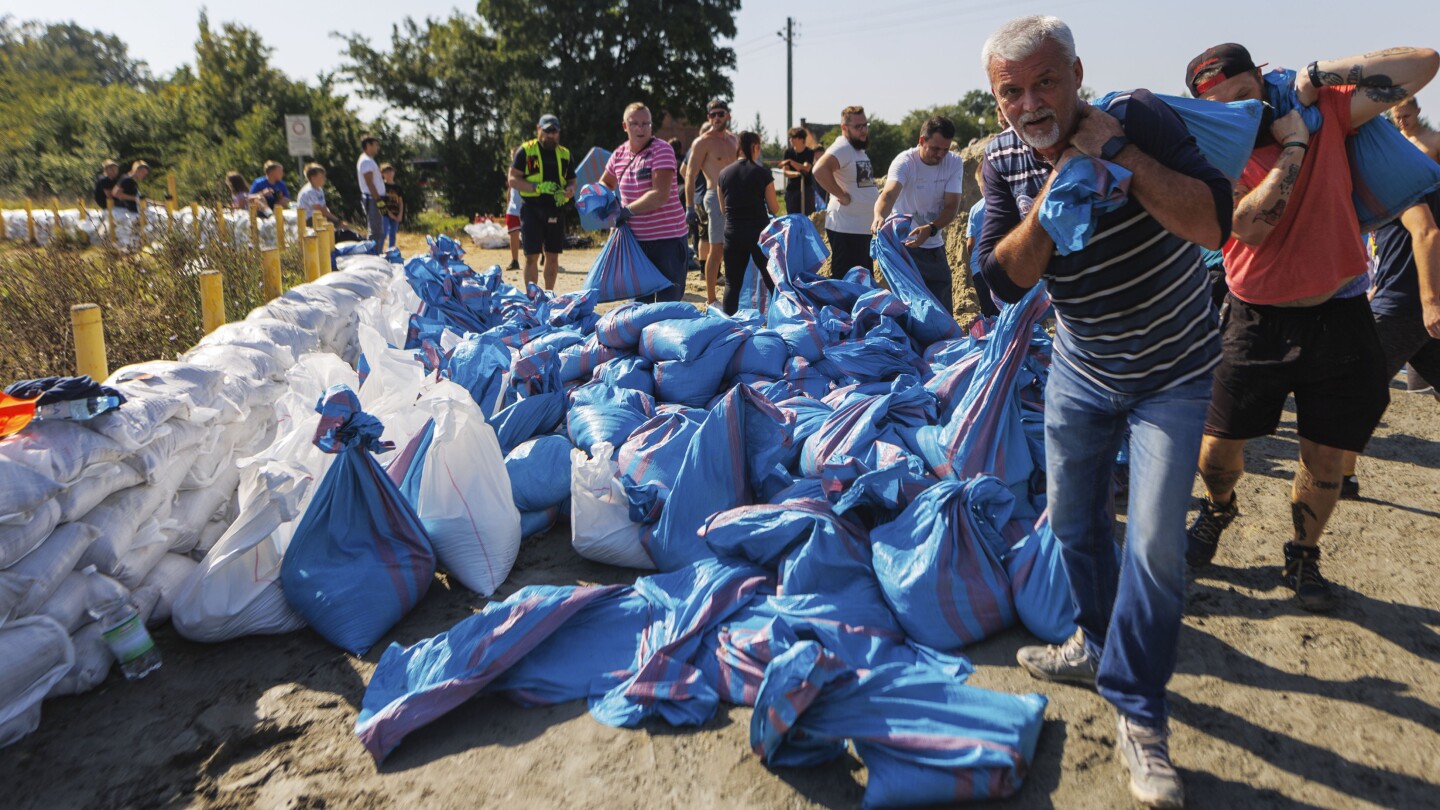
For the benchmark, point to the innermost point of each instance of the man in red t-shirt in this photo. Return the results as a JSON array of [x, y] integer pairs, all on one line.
[[1296, 320]]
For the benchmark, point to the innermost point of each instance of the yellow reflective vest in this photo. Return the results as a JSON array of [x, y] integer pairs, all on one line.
[[535, 169]]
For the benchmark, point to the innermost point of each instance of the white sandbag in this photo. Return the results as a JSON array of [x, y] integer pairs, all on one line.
[[91, 663], [600, 524], [173, 441], [316, 373], [364, 285], [361, 262], [235, 591], [17, 541], [463, 497], [13, 593], [167, 577], [209, 536], [139, 561], [240, 362], [119, 518], [214, 459], [22, 492], [195, 509], [42, 570], [59, 449], [133, 424], [35, 653], [146, 600], [197, 386], [391, 389], [316, 316], [68, 603], [282, 341], [99, 482]]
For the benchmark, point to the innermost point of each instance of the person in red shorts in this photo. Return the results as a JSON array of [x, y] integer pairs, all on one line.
[[1296, 319]]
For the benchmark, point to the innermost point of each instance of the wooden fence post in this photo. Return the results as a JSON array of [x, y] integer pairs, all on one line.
[[212, 299], [89, 328], [30, 222], [270, 286], [312, 256]]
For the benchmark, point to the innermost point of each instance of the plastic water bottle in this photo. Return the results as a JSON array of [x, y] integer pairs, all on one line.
[[77, 410], [120, 625]]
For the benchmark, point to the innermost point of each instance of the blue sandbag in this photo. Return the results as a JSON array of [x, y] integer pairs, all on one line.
[[603, 413], [924, 738], [876, 359], [683, 339], [620, 328], [540, 473], [695, 382], [1083, 190], [1039, 582], [650, 460], [589, 171], [927, 320], [597, 203], [634, 372], [556, 340], [622, 270], [579, 361], [736, 458], [479, 365], [360, 558], [1225, 132], [538, 522], [807, 377], [528, 417], [763, 353], [860, 421]]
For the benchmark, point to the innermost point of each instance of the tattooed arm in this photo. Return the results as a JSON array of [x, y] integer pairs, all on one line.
[[1381, 79], [1258, 211]]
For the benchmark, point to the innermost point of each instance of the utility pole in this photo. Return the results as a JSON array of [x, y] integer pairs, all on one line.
[[789, 36]]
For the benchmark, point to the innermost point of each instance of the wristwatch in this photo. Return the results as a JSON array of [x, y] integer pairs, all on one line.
[[1113, 147]]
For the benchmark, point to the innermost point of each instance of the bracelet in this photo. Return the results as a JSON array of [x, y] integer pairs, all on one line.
[[1301, 144], [1314, 72]]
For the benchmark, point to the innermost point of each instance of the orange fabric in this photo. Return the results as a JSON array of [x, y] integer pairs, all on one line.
[[15, 413], [1316, 246]]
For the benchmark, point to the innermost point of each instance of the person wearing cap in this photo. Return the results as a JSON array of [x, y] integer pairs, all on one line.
[[104, 182], [1296, 319], [709, 155], [845, 172], [545, 177], [1135, 343]]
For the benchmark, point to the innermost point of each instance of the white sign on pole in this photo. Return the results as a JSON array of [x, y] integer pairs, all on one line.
[[298, 135]]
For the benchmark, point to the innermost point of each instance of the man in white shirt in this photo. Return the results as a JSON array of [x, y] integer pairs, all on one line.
[[924, 184], [845, 172], [372, 188]]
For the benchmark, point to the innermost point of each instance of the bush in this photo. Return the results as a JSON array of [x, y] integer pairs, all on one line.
[[433, 223]]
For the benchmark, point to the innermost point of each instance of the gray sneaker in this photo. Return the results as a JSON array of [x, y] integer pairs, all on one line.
[[1145, 752], [1063, 663]]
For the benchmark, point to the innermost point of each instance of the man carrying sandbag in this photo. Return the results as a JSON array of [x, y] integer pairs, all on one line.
[[924, 184], [1296, 320], [1135, 344], [543, 173]]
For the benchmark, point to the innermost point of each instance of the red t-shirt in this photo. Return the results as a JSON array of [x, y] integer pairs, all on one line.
[[1317, 245]]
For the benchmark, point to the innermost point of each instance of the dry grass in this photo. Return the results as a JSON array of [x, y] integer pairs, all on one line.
[[150, 300]]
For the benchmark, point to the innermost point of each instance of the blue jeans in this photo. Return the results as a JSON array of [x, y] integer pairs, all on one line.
[[391, 228], [668, 256], [1129, 602]]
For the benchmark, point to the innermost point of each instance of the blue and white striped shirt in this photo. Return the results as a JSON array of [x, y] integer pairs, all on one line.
[[1133, 306]]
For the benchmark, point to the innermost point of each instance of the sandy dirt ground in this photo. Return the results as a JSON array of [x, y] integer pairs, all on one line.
[[1273, 707]]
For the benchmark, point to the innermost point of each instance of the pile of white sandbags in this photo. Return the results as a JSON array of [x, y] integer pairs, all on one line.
[[205, 452], [93, 225]]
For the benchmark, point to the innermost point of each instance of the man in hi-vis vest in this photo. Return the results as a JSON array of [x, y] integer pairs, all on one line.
[[544, 174]]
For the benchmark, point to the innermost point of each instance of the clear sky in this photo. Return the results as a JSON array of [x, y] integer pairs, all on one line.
[[891, 56]]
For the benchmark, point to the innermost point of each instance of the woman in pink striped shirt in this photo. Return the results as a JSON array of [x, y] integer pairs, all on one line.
[[643, 170]]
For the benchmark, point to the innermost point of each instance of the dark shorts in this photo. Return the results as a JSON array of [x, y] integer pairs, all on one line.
[[847, 251], [1327, 355], [1404, 340], [542, 229]]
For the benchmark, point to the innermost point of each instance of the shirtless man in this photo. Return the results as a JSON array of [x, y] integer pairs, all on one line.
[[1406, 116], [711, 152]]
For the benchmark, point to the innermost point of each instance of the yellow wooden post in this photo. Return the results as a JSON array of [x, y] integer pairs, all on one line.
[[327, 246], [270, 288], [195, 220], [89, 329], [212, 300], [222, 225], [30, 221], [140, 206], [170, 200], [55, 226], [84, 212], [311, 248], [254, 229], [110, 218], [279, 228]]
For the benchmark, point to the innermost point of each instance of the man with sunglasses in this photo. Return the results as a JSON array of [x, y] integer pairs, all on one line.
[[711, 153], [545, 177], [844, 171]]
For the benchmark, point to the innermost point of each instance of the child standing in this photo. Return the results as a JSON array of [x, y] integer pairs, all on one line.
[[394, 207]]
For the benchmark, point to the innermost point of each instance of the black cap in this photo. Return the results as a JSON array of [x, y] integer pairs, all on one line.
[[1232, 59], [717, 104], [548, 121]]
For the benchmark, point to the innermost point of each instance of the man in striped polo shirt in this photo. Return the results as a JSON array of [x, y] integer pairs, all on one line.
[[1135, 343]]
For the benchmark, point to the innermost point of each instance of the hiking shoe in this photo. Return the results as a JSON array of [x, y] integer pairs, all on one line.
[[1203, 536], [514, 265], [1350, 488], [1063, 663], [1145, 752], [1302, 575]]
